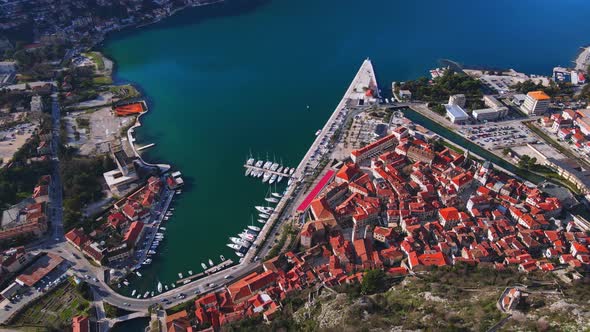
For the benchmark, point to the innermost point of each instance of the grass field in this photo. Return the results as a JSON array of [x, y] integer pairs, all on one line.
[[53, 310], [102, 80], [96, 58], [124, 91]]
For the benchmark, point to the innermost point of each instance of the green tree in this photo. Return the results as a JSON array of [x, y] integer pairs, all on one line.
[[373, 281]]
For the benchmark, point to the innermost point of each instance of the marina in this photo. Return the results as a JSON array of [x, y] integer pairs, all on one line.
[[269, 172]]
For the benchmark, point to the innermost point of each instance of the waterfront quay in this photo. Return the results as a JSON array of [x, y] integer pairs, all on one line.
[[363, 81]]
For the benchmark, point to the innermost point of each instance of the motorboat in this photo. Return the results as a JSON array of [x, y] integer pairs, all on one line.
[[204, 266], [190, 272], [210, 262], [138, 274], [277, 195], [133, 293], [263, 216], [159, 287], [271, 199], [246, 236], [239, 254], [254, 228], [234, 246], [261, 209], [180, 275], [222, 258]]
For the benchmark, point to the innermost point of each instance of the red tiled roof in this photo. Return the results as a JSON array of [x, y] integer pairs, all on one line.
[[39, 269], [80, 324], [76, 236], [133, 232]]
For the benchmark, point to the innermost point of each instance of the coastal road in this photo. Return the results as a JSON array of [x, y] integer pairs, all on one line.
[[56, 194]]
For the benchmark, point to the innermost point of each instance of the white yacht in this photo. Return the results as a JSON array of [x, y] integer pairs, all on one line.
[[262, 221], [166, 287], [273, 178], [239, 254], [133, 293], [138, 274], [280, 170], [254, 228], [222, 258], [261, 209], [180, 275], [259, 163], [266, 176], [241, 242], [234, 246], [292, 171], [274, 166], [159, 287], [271, 199], [204, 266], [277, 195], [250, 162], [263, 216], [210, 262], [246, 236]]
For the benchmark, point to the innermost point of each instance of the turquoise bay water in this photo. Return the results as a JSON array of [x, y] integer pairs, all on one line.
[[235, 77]]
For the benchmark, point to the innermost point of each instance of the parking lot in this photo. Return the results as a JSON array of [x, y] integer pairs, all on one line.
[[14, 138], [500, 136]]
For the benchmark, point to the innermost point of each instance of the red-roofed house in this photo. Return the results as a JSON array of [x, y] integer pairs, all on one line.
[[133, 233], [76, 237], [449, 217], [80, 324]]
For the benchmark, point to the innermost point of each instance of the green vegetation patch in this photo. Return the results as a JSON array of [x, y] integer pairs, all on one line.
[[54, 310], [124, 91], [102, 80], [96, 57]]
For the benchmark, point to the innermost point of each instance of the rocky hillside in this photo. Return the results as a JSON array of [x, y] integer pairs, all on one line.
[[462, 299]]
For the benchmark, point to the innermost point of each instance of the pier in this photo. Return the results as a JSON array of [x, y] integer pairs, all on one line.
[[266, 170], [213, 269], [146, 146]]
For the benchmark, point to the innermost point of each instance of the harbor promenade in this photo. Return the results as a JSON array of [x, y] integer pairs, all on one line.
[[364, 78]]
